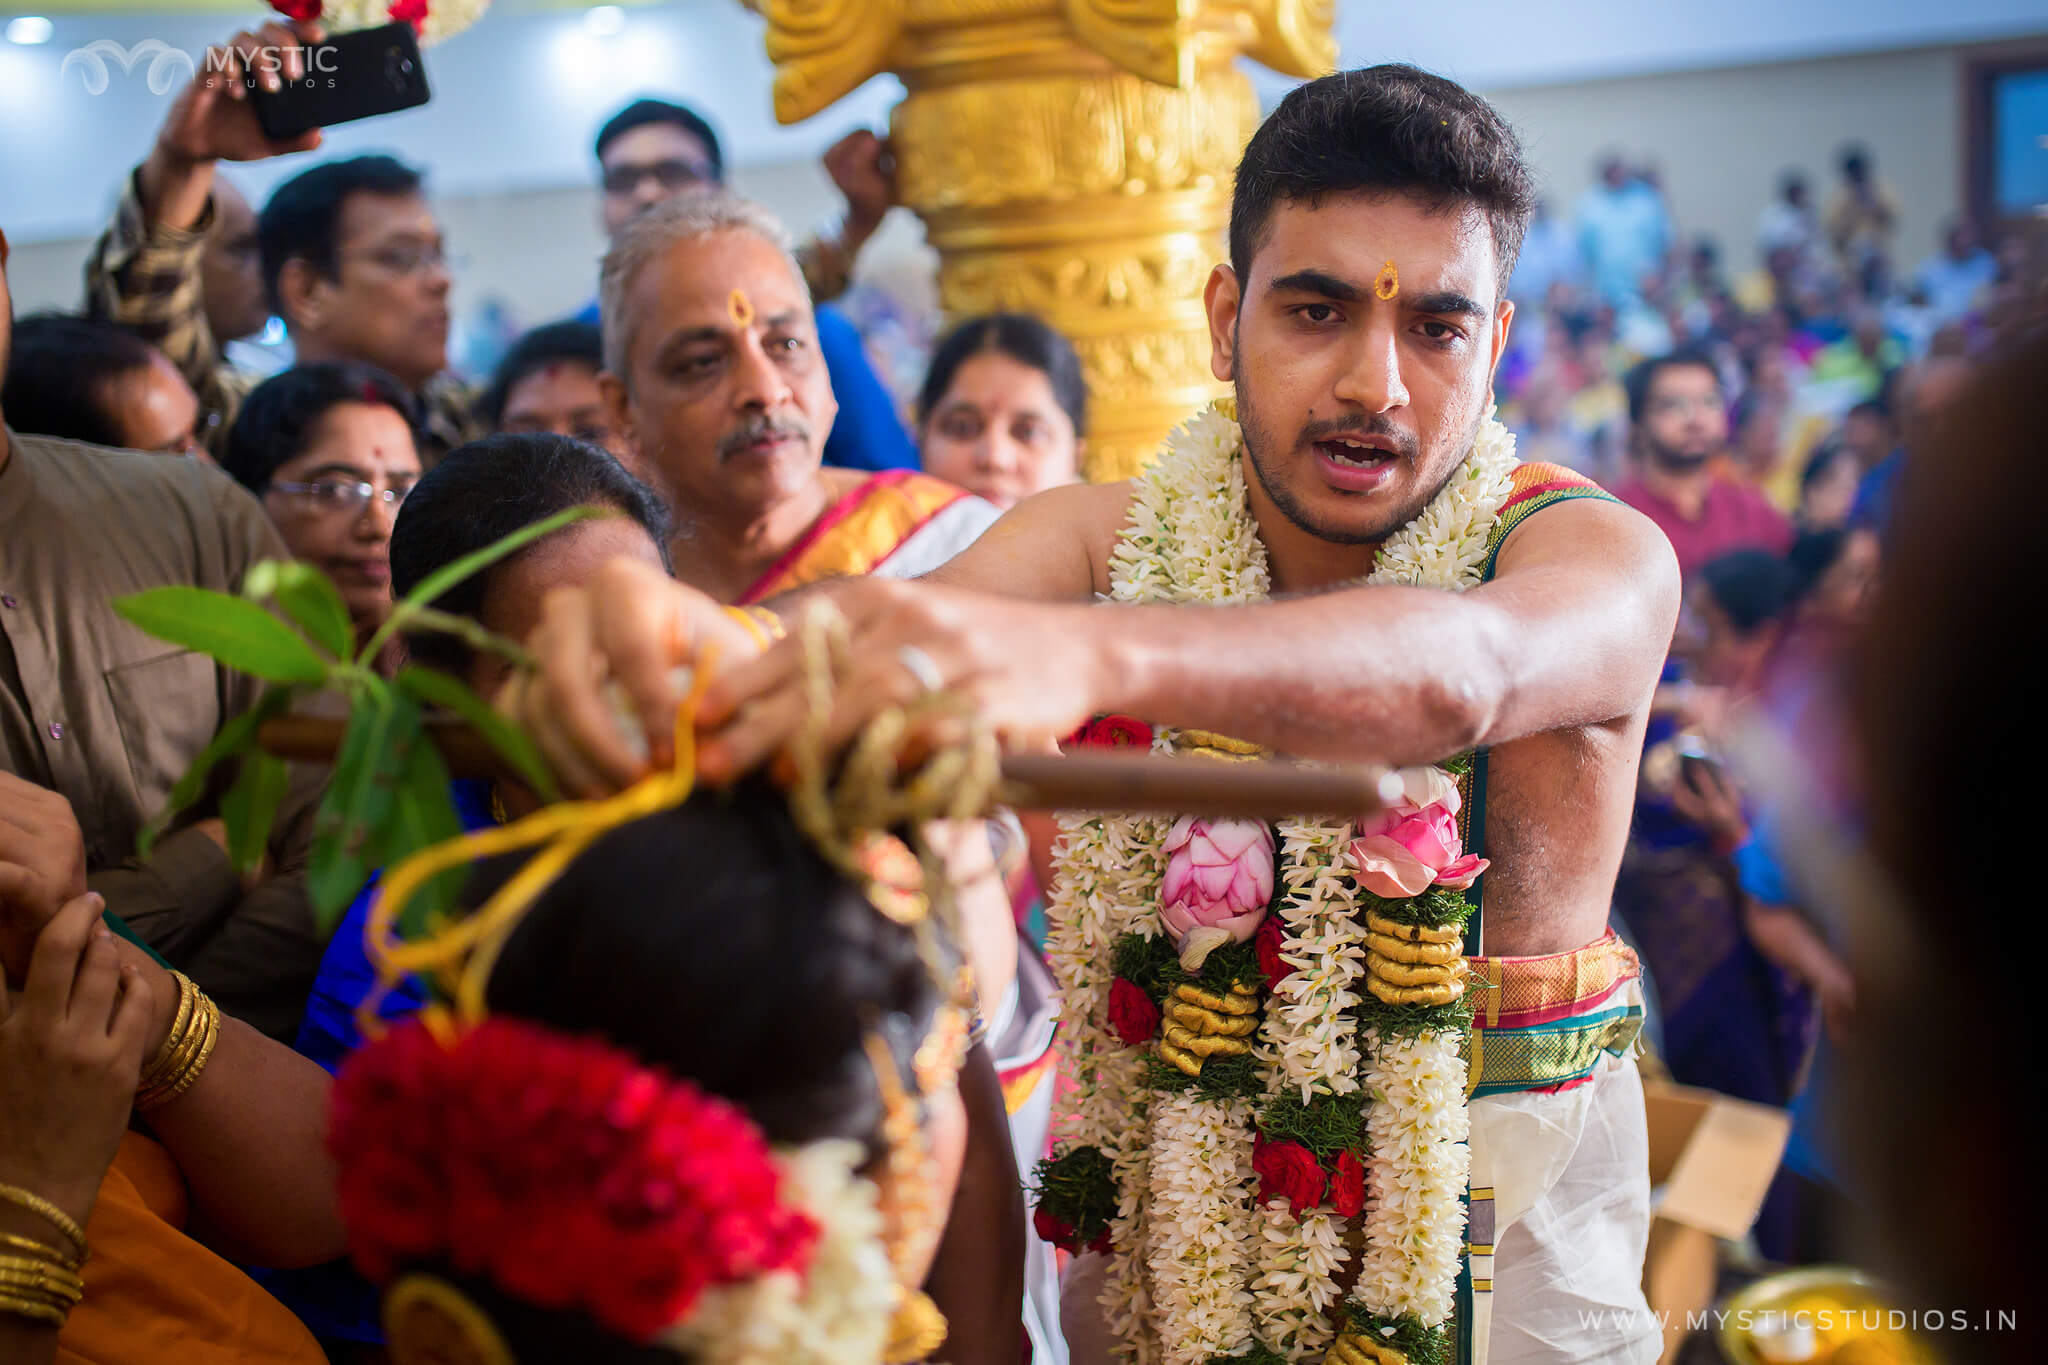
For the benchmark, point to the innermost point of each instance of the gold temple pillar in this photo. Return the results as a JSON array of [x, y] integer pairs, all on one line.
[[1069, 158]]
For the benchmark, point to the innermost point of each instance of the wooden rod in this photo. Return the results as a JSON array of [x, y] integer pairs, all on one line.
[[1143, 783]]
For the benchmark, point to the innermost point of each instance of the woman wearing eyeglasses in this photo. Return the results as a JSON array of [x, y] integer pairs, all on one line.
[[330, 450]]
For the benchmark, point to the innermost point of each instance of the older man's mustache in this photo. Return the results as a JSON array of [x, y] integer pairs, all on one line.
[[760, 428]]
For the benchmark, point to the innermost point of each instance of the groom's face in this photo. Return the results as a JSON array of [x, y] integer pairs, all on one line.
[[1362, 347]]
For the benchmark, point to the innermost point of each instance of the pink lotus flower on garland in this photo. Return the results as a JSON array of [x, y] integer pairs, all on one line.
[[1413, 845], [1219, 879]]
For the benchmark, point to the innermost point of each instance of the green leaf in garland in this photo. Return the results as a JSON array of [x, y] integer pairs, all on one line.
[[250, 807], [361, 796], [310, 598], [239, 733], [233, 630], [512, 743], [423, 815]]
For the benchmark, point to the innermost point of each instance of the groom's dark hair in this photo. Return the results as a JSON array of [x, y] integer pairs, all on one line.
[[1391, 129]]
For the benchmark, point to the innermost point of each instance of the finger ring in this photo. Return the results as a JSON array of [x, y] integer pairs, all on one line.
[[920, 666]]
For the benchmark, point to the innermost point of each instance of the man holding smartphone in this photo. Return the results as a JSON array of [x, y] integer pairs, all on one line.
[[352, 253]]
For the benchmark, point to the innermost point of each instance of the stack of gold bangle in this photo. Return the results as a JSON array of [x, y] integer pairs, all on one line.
[[42, 1284], [186, 1049]]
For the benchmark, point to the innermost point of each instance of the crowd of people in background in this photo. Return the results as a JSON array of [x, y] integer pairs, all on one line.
[[1757, 400]]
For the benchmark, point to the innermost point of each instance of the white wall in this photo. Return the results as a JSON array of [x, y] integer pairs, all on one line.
[[1721, 137]]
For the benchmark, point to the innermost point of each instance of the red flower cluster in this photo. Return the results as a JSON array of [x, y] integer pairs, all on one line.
[[305, 11], [1266, 942], [412, 12], [563, 1170], [1132, 1015], [1112, 732], [1290, 1171], [1056, 1233]]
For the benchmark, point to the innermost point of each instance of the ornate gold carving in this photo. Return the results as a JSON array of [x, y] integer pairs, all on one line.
[[993, 144], [1070, 158], [1059, 279], [824, 48]]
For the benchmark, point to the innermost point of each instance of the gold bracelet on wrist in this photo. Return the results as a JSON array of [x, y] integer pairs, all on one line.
[[49, 1213], [42, 1276], [36, 1248], [42, 1286], [186, 1050], [33, 1309]]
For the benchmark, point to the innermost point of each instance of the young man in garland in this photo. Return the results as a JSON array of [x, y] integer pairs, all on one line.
[[1376, 220]]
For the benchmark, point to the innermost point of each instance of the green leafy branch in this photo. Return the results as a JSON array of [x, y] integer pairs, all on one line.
[[388, 796]]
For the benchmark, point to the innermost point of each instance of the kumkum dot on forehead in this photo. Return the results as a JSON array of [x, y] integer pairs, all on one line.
[[740, 308], [1388, 282]]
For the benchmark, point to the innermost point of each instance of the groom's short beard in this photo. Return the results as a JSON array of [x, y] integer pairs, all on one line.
[[1263, 450]]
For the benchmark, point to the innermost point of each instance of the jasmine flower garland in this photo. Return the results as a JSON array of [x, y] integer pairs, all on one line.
[[1202, 1268]]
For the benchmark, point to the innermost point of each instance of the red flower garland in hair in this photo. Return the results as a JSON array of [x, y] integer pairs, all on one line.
[[560, 1168]]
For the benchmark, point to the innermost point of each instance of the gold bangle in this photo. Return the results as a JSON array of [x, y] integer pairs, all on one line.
[[162, 1062], [22, 1307], [35, 1248], [187, 1058], [35, 1277], [49, 1213], [46, 1262]]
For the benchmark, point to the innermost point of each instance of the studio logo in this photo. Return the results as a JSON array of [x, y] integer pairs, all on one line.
[[169, 67]]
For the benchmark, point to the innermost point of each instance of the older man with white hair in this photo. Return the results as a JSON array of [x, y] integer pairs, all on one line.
[[711, 353]]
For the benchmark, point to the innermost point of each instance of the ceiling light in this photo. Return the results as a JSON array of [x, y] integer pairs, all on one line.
[[30, 30]]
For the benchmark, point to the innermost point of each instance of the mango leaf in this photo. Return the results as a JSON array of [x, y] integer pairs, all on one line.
[[423, 815], [250, 807], [310, 598], [512, 743], [448, 575], [383, 727], [233, 630], [239, 733]]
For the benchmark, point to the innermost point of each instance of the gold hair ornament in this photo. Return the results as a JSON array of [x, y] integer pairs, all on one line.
[[428, 1321]]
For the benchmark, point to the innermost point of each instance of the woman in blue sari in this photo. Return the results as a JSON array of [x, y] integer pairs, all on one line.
[[475, 496]]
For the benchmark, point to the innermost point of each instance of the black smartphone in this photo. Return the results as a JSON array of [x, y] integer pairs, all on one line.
[[350, 76]]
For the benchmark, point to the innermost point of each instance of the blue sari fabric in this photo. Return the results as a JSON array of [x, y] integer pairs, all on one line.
[[334, 1302]]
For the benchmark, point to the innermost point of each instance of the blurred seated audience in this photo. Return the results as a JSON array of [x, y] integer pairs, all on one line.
[[654, 150], [1955, 278], [1679, 417], [1827, 488], [1919, 395], [1733, 1020], [352, 255], [99, 720], [547, 382], [1004, 409], [330, 451], [80, 380]]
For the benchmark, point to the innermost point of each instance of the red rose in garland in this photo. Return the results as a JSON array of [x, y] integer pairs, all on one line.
[[412, 12], [1053, 1232], [1290, 1171], [1347, 1187], [1112, 732], [1133, 1017], [1267, 943], [305, 11]]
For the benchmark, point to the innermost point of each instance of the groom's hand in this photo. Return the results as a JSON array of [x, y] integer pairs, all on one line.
[[613, 662], [1028, 670]]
